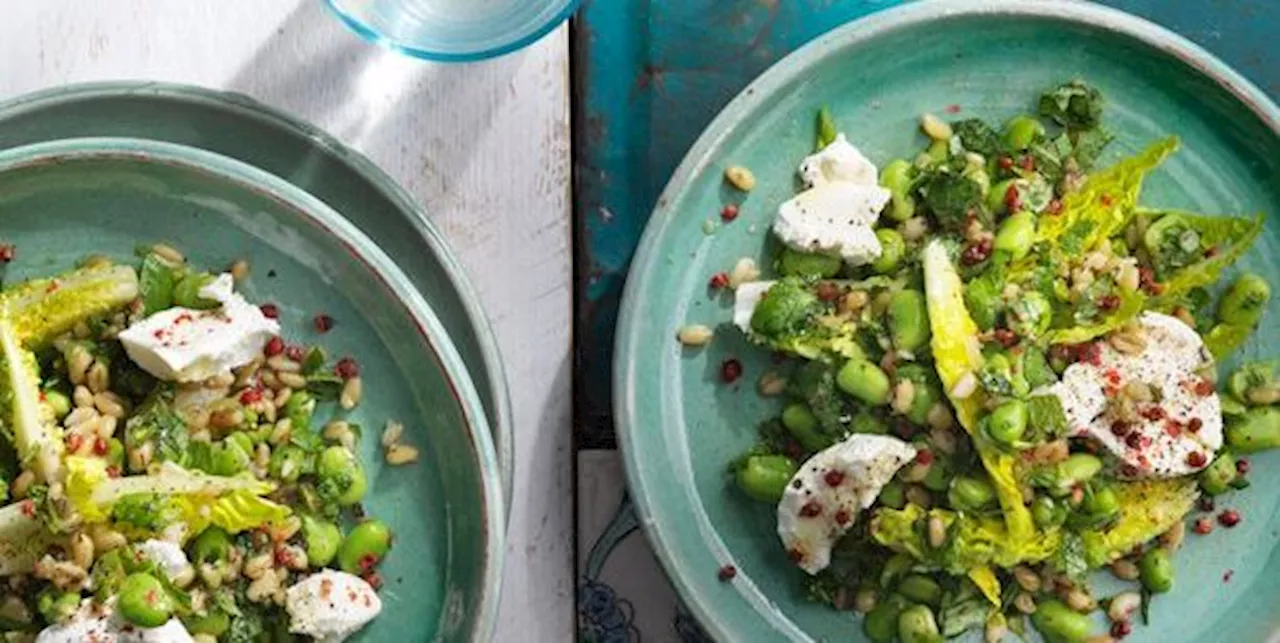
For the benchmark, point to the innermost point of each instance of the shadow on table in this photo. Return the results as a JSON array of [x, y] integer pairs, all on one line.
[[373, 98]]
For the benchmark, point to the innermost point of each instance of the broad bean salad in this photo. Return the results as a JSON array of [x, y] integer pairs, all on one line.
[[1004, 376], [175, 470]]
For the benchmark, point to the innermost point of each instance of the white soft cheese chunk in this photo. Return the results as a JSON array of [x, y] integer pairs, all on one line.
[[166, 555], [101, 625], [838, 161], [1178, 432], [331, 605], [186, 345], [826, 495], [836, 218]]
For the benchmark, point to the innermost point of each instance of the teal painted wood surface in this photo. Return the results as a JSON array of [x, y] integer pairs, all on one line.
[[651, 74]]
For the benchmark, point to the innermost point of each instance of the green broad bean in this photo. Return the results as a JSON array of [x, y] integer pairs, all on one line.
[[908, 320], [897, 177], [1257, 430], [937, 478], [338, 468], [1061, 624], [1232, 407], [881, 623], [229, 458], [808, 264], [1021, 132], [322, 539], [1008, 422], [867, 422], [1245, 301], [211, 546], [186, 292], [212, 623], [765, 477], [1102, 502], [287, 463], [1077, 468], [995, 196], [58, 401], [1046, 512], [864, 380], [969, 493], [919, 588], [144, 601], [364, 547], [917, 624], [1016, 234], [893, 494], [927, 394], [1156, 570], [803, 426], [1248, 377], [892, 248], [1216, 478], [896, 567], [243, 440]]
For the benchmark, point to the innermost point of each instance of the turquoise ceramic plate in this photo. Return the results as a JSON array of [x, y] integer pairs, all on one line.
[[679, 426], [237, 126], [62, 200]]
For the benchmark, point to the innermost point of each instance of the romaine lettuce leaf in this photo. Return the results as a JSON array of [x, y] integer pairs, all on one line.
[[1229, 237], [957, 355], [974, 542], [1147, 509], [1131, 305], [27, 419], [235, 504], [41, 309], [1105, 204]]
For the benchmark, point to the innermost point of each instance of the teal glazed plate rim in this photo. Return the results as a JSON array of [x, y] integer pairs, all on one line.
[[671, 409], [481, 343], [382, 269]]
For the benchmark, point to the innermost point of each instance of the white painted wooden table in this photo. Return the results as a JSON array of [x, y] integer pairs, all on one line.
[[484, 146]]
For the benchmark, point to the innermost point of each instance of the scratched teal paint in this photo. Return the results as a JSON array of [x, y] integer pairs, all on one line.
[[650, 75]]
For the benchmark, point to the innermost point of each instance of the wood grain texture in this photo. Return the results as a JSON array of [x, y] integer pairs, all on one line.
[[485, 146]]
